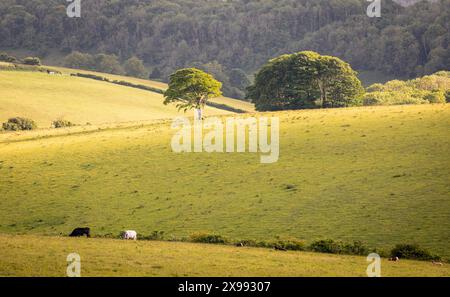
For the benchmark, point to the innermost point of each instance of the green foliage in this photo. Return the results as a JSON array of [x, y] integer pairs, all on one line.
[[290, 244], [78, 60], [62, 124], [19, 124], [355, 248], [91, 76], [435, 96], [4, 57], [100, 62], [305, 80], [168, 35], [207, 238], [412, 251], [135, 67], [423, 90], [35, 61], [107, 64], [337, 247], [239, 79], [326, 246], [191, 88]]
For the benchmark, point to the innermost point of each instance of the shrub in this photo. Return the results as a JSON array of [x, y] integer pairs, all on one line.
[[291, 244], [207, 238], [18, 124], [79, 61], [436, 96], [62, 124], [135, 67], [357, 248], [447, 96], [32, 61], [91, 76], [412, 251], [326, 246], [4, 57]]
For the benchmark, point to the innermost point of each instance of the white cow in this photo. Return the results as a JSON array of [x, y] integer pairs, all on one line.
[[129, 234]]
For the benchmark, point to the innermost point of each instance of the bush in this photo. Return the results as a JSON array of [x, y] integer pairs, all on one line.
[[91, 76], [326, 246], [412, 251], [62, 124], [357, 248], [135, 67], [18, 124], [79, 60], [207, 238], [291, 245], [436, 96], [447, 96], [32, 61], [4, 57]]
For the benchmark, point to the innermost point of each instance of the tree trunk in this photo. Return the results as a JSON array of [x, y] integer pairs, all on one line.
[[198, 114]]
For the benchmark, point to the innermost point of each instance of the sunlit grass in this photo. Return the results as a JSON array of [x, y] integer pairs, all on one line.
[[378, 174], [46, 256]]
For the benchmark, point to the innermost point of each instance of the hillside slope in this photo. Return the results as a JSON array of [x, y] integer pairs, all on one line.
[[46, 256], [378, 174], [45, 98]]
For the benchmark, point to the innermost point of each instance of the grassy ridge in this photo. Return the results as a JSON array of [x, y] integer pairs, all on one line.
[[46, 256], [45, 98], [238, 104], [379, 175]]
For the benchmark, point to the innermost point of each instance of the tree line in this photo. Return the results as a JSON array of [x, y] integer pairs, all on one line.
[[232, 39]]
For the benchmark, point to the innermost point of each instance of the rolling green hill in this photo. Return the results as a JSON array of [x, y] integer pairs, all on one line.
[[377, 174], [45, 98], [46, 256]]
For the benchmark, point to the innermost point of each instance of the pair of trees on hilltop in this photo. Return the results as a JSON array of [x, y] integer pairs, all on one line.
[[301, 80], [239, 34]]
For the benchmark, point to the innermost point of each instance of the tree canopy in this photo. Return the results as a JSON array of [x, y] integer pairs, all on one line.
[[238, 34], [305, 80], [191, 88]]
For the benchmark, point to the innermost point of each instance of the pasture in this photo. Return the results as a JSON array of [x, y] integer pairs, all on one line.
[[378, 174], [46, 256]]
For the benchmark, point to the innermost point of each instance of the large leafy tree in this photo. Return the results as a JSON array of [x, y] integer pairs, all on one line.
[[305, 80], [191, 88]]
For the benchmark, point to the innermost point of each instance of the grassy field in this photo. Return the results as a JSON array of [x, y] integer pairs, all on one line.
[[238, 104], [45, 98], [376, 174], [46, 256]]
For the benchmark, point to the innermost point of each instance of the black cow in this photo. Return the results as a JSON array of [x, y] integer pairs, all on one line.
[[78, 232]]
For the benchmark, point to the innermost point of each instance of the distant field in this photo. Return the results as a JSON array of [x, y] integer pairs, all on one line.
[[239, 104], [46, 256], [377, 174], [45, 98]]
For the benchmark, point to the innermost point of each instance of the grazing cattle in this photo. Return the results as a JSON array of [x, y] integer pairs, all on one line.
[[394, 259], [437, 263], [78, 232], [129, 234]]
